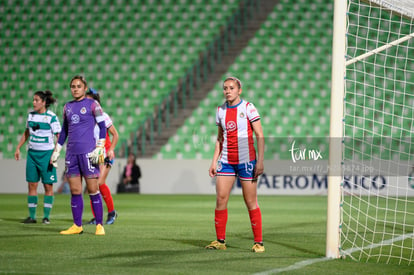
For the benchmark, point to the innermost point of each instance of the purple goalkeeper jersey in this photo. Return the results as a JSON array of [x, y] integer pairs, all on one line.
[[80, 118]]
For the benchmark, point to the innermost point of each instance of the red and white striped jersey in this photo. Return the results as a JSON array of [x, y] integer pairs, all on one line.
[[108, 123], [238, 143]]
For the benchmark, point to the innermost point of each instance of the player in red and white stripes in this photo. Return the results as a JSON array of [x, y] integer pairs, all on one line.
[[235, 156], [108, 162]]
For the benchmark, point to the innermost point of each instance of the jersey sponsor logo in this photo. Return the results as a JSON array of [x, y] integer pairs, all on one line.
[[34, 126], [231, 126], [83, 111], [75, 119], [39, 139]]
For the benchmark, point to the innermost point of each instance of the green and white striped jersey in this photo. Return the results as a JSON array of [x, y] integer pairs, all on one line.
[[42, 128]]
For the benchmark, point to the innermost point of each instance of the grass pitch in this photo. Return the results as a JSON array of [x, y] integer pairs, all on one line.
[[166, 234]]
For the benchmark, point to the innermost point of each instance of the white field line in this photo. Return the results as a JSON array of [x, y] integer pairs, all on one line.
[[299, 265]]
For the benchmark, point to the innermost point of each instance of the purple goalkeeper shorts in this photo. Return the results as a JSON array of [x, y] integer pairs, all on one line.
[[80, 165]]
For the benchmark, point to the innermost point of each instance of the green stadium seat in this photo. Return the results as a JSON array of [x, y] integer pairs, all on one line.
[[291, 100]]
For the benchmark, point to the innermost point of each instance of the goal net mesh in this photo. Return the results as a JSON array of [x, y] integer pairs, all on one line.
[[377, 202]]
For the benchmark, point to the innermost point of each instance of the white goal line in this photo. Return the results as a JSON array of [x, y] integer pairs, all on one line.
[[380, 49], [386, 242], [348, 252]]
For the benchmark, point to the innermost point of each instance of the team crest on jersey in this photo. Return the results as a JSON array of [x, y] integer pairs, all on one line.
[[241, 115], [231, 126], [75, 119], [83, 110]]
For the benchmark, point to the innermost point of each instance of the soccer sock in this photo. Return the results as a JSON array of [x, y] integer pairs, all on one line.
[[106, 195], [32, 204], [97, 207], [47, 206], [220, 220], [93, 213], [77, 209], [256, 221]]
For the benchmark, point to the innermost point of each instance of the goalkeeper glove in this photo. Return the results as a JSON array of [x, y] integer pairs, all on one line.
[[97, 156], [55, 155]]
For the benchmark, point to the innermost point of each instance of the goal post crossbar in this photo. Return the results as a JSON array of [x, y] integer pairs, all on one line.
[[380, 49], [403, 8]]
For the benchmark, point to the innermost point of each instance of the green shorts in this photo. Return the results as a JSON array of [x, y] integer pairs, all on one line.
[[37, 166]]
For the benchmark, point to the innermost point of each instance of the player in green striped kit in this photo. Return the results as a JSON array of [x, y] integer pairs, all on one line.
[[42, 126]]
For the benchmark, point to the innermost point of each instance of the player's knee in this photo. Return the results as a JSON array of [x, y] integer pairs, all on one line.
[[222, 200], [251, 203]]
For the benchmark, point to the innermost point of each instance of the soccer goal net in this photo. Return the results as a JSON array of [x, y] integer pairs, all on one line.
[[377, 196]]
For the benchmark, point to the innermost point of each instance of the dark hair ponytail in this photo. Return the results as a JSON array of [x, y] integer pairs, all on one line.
[[47, 97], [94, 94]]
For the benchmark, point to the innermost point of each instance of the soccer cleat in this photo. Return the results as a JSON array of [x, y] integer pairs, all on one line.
[[100, 230], [74, 229], [217, 245], [92, 221], [112, 217], [46, 221], [258, 248], [29, 220]]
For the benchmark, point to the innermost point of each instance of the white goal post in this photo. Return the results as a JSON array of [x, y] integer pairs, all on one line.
[[372, 132], [336, 130]]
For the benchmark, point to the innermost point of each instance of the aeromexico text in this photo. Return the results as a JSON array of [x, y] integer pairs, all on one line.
[[317, 184], [315, 181], [310, 177]]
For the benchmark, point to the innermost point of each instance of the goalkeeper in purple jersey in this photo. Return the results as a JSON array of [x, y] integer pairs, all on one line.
[[83, 153]]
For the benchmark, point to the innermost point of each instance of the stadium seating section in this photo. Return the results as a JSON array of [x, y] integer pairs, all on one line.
[[285, 71], [135, 53]]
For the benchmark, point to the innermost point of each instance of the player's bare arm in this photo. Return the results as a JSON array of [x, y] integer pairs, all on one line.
[[217, 151], [258, 131], [115, 136], [22, 141]]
